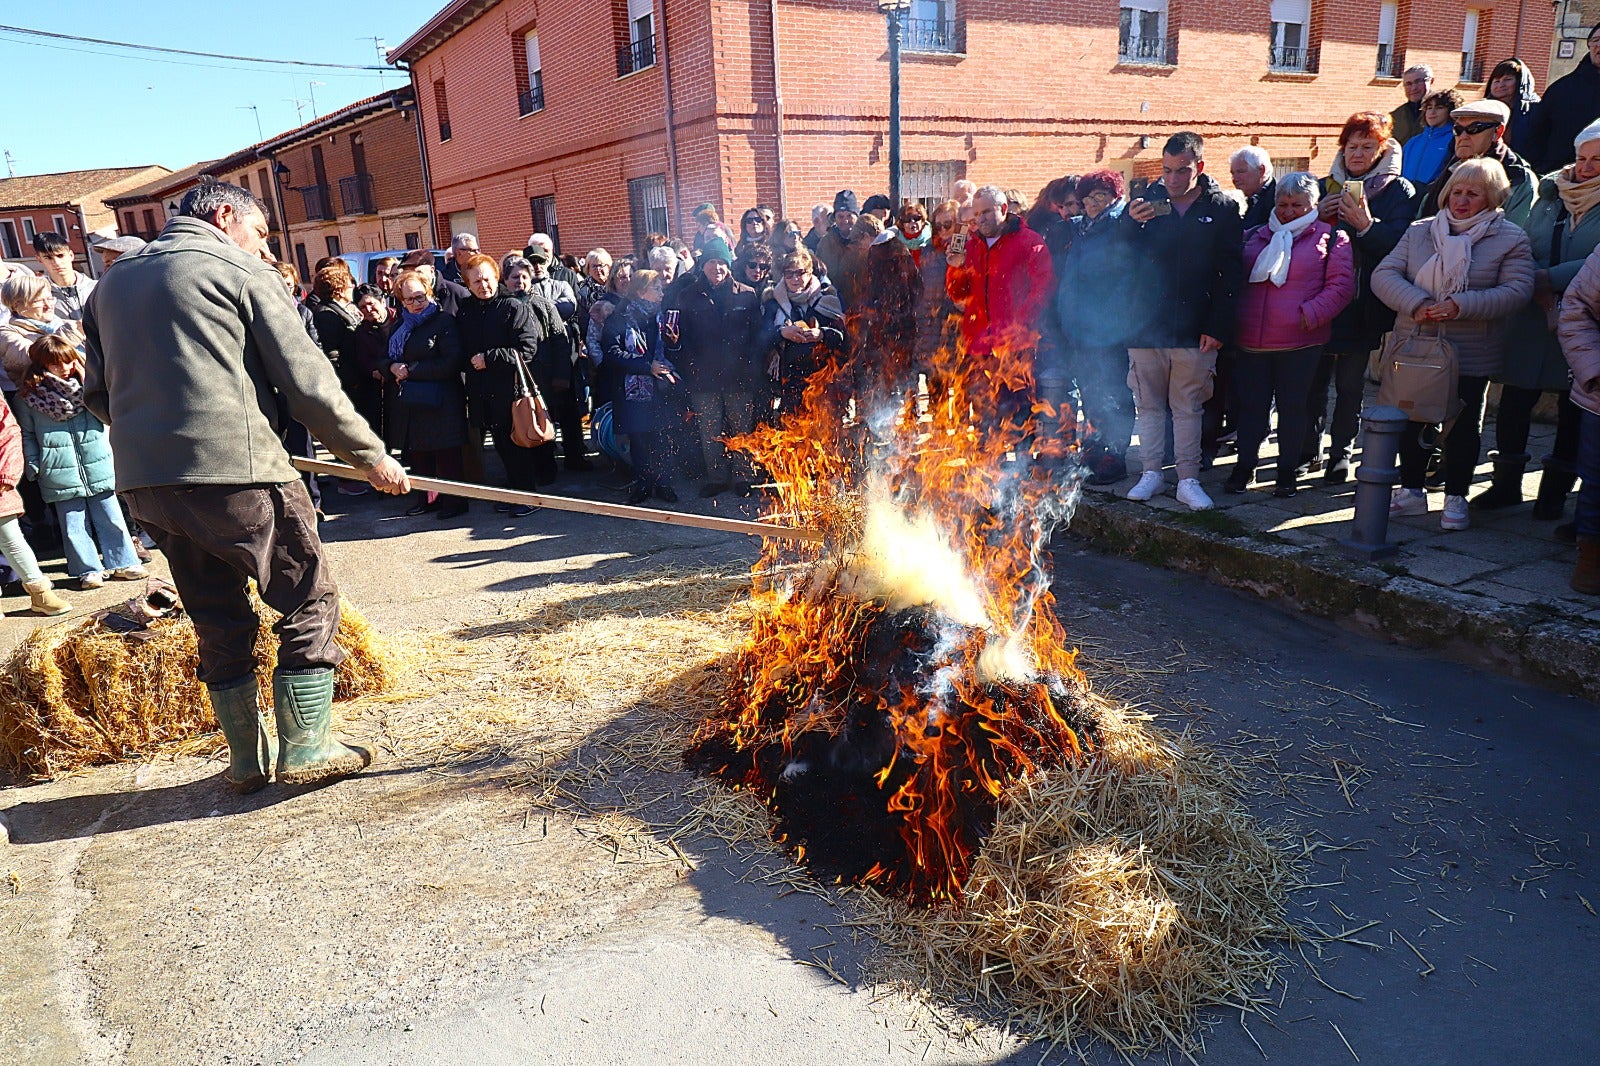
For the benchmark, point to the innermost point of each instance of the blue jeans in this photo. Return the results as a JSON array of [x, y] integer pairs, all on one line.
[[1586, 516], [86, 520]]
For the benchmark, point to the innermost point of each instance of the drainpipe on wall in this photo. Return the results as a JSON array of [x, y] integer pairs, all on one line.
[[672, 138], [1516, 44], [777, 111], [422, 151]]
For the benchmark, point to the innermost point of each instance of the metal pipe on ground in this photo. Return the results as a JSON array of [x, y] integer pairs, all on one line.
[[568, 503], [1376, 478]]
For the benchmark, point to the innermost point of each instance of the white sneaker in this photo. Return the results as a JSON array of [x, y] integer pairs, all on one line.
[[1192, 496], [130, 573], [1151, 483], [1455, 513], [1408, 502], [92, 580]]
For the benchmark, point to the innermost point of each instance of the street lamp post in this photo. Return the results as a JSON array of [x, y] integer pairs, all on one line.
[[894, 11]]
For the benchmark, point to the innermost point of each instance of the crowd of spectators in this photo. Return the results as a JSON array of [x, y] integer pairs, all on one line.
[[1174, 308]]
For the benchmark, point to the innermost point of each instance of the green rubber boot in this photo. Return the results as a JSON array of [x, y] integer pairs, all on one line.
[[306, 752], [250, 749]]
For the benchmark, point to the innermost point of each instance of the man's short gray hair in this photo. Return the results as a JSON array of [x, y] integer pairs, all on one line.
[[661, 257], [1300, 182], [1421, 68], [993, 193], [1256, 156], [597, 255], [542, 240], [209, 197], [459, 241]]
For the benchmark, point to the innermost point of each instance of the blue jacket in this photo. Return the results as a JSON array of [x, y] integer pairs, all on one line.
[[1423, 156], [71, 459]]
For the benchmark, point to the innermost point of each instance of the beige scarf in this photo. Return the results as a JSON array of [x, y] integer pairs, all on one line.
[[1446, 270], [1578, 196]]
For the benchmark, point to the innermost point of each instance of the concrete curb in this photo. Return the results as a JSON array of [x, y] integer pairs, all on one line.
[[1524, 641]]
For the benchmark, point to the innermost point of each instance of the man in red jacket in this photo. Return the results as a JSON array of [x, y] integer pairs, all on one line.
[[1002, 283]]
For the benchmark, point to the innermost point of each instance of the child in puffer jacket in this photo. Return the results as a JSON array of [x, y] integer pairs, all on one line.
[[67, 451]]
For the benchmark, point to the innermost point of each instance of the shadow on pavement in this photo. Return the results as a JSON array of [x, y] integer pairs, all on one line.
[[100, 813]]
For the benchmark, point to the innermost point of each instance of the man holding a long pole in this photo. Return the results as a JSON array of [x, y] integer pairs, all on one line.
[[195, 358]]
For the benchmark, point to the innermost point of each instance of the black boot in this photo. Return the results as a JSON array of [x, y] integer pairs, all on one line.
[[1506, 489], [1554, 485]]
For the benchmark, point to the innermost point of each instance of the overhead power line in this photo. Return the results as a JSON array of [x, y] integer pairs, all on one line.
[[186, 52]]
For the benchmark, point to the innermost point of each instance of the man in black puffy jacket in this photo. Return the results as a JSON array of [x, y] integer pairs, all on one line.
[[711, 327], [1569, 104]]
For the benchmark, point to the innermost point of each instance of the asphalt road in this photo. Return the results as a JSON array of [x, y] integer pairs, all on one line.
[[398, 918]]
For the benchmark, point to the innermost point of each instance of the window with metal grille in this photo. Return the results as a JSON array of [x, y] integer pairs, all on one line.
[[413, 241], [441, 106], [640, 51], [930, 26], [929, 183], [1387, 13], [1289, 49], [543, 210], [530, 75], [334, 245], [647, 206], [1142, 32]]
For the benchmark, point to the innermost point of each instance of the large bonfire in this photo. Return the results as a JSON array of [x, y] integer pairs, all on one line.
[[911, 712], [903, 673]]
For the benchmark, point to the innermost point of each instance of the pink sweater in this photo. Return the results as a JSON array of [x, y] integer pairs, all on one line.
[[1322, 282]]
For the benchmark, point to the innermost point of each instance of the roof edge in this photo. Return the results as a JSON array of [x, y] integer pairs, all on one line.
[[436, 30]]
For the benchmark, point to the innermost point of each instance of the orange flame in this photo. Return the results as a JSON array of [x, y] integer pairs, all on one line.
[[987, 703]]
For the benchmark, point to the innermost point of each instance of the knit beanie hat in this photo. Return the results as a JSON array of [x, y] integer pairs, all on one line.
[[716, 248], [846, 201]]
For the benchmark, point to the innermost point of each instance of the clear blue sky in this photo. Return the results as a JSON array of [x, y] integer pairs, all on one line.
[[72, 110]]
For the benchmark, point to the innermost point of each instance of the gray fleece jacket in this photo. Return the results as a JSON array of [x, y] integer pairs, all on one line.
[[190, 344]]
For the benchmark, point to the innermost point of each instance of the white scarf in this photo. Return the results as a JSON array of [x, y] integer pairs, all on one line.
[[1446, 270], [1273, 262]]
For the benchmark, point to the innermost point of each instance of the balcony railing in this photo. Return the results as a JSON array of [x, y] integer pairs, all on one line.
[[1142, 50], [930, 35], [316, 201], [1471, 68], [533, 99], [636, 56], [1291, 60], [1386, 63], [355, 193]]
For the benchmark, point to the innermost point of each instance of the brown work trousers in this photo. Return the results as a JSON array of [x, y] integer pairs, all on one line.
[[217, 538]]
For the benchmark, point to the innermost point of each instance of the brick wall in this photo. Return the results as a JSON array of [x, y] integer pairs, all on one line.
[[1038, 92]]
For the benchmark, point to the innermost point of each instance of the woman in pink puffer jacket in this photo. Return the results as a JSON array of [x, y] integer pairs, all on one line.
[[1302, 274], [1579, 332]]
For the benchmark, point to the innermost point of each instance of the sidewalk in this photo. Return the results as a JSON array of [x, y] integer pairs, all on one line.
[[1493, 595]]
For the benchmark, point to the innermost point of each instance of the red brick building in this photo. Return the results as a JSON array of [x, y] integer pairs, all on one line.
[[605, 119], [72, 203], [349, 181]]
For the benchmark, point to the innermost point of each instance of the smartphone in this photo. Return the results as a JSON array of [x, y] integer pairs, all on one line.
[[958, 244], [1160, 207], [1356, 189]]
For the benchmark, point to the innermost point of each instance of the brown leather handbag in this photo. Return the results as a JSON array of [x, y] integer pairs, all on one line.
[[531, 424]]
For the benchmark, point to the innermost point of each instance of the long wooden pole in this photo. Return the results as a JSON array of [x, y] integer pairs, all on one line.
[[568, 503]]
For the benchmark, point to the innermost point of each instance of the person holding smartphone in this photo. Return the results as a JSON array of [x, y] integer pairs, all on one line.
[[1185, 236], [1366, 198]]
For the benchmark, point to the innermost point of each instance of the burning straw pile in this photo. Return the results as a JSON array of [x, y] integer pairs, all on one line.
[[84, 694], [909, 711]]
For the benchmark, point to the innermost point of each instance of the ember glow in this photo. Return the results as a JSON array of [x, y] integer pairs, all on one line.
[[900, 676]]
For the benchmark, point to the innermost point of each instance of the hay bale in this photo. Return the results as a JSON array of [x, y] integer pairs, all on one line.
[[1117, 897], [76, 695]]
